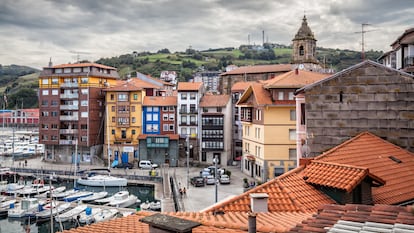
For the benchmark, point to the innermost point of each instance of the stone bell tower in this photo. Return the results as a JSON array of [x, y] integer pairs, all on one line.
[[304, 48]]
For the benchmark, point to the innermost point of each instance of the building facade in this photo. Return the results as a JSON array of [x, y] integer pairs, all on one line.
[[215, 140], [71, 110], [210, 79]]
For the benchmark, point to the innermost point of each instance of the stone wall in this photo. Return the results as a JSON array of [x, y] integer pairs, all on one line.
[[370, 98]]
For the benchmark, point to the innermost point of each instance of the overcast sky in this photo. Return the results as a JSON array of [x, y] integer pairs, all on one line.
[[32, 31]]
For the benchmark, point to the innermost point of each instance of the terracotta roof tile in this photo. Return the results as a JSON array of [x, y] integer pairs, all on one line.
[[132, 84], [160, 101], [214, 100], [83, 65], [241, 86], [261, 95], [333, 175], [189, 86], [287, 193], [294, 79], [259, 69], [372, 152], [329, 216]]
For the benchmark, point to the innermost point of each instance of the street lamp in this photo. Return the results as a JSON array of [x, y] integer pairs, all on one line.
[[215, 161], [187, 140]]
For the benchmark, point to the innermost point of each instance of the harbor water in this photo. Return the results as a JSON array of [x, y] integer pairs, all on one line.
[[144, 192]]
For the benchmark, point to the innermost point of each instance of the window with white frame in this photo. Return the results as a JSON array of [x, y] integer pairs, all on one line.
[[45, 92], [45, 81], [55, 81], [172, 117], [84, 114], [281, 95], [292, 134], [165, 127], [193, 131], [184, 131], [165, 117], [293, 115], [258, 115], [133, 119], [84, 91], [183, 96], [84, 103], [291, 96], [122, 97], [172, 127]]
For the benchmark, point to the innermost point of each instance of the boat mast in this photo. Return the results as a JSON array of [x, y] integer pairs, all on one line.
[[76, 163], [107, 136]]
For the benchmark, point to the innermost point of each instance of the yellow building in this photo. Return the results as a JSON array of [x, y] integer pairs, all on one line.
[[268, 116], [124, 119]]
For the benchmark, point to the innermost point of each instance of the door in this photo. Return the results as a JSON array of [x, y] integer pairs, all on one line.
[[124, 157]]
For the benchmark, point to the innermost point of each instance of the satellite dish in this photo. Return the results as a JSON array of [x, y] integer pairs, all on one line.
[[301, 66], [306, 150]]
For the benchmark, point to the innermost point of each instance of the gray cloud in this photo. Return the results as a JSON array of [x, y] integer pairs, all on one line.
[[33, 31]]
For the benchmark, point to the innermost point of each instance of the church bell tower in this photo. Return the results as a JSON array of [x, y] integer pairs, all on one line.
[[304, 48]]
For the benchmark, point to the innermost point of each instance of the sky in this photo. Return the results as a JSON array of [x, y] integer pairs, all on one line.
[[32, 32]]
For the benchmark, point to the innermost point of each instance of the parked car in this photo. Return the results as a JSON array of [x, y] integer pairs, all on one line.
[[146, 164], [210, 179], [124, 165], [197, 181], [224, 179], [220, 171], [205, 172]]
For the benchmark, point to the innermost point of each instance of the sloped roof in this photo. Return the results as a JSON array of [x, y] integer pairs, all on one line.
[[385, 160], [294, 79], [287, 193], [83, 65], [357, 218], [189, 86], [261, 95], [228, 222], [160, 101], [132, 84], [259, 69], [214, 100], [333, 175], [350, 69], [241, 86]]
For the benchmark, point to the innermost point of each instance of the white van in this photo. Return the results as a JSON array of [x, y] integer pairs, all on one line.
[[146, 164]]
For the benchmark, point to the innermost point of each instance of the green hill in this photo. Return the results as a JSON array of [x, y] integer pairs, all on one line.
[[21, 82]]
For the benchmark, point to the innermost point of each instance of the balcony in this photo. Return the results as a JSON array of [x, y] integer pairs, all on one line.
[[69, 85], [69, 107], [68, 131], [67, 142], [69, 118], [408, 61], [123, 139], [69, 96]]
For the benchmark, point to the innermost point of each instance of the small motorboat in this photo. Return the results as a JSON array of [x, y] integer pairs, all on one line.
[[8, 204], [47, 213], [102, 178], [27, 207], [71, 214], [123, 199], [77, 196], [155, 206], [88, 216], [105, 214], [3, 213], [103, 201], [94, 196], [145, 205], [62, 195]]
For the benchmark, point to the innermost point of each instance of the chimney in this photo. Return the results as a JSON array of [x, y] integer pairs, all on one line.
[[258, 202], [304, 161], [161, 223], [252, 222]]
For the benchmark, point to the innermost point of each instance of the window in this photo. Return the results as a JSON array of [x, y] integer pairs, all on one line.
[[302, 114], [192, 96], [257, 133], [183, 96], [113, 119], [171, 127], [219, 109], [45, 126], [84, 103], [84, 80], [184, 131], [55, 81], [58, 71], [165, 127], [112, 97], [54, 103], [84, 127], [149, 116], [54, 126], [122, 97], [292, 134], [113, 108], [193, 131], [45, 114], [84, 91], [171, 117], [54, 114], [44, 103], [84, 114], [45, 81], [292, 154], [293, 115], [281, 95], [258, 114], [246, 130], [45, 92], [291, 96], [133, 132], [171, 108], [301, 51], [132, 108], [205, 109], [155, 109], [135, 96], [133, 120], [165, 117], [113, 132]]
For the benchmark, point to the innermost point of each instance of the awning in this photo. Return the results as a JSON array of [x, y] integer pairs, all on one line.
[[250, 158]]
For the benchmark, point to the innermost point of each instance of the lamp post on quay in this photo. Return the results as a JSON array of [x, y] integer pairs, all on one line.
[[187, 141], [215, 161]]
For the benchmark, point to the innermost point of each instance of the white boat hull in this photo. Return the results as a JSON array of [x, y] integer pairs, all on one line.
[[103, 181]]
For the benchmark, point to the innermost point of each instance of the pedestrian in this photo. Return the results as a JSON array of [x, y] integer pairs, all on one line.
[[25, 163], [185, 192]]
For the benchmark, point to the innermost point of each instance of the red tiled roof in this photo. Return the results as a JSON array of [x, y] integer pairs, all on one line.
[[214, 100], [132, 84], [287, 193], [160, 101], [228, 222], [261, 95], [241, 86], [339, 176], [260, 69], [372, 152], [83, 65], [329, 215], [189, 86], [294, 79]]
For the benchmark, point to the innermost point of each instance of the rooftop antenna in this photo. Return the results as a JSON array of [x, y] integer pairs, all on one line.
[[363, 31], [78, 53]]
